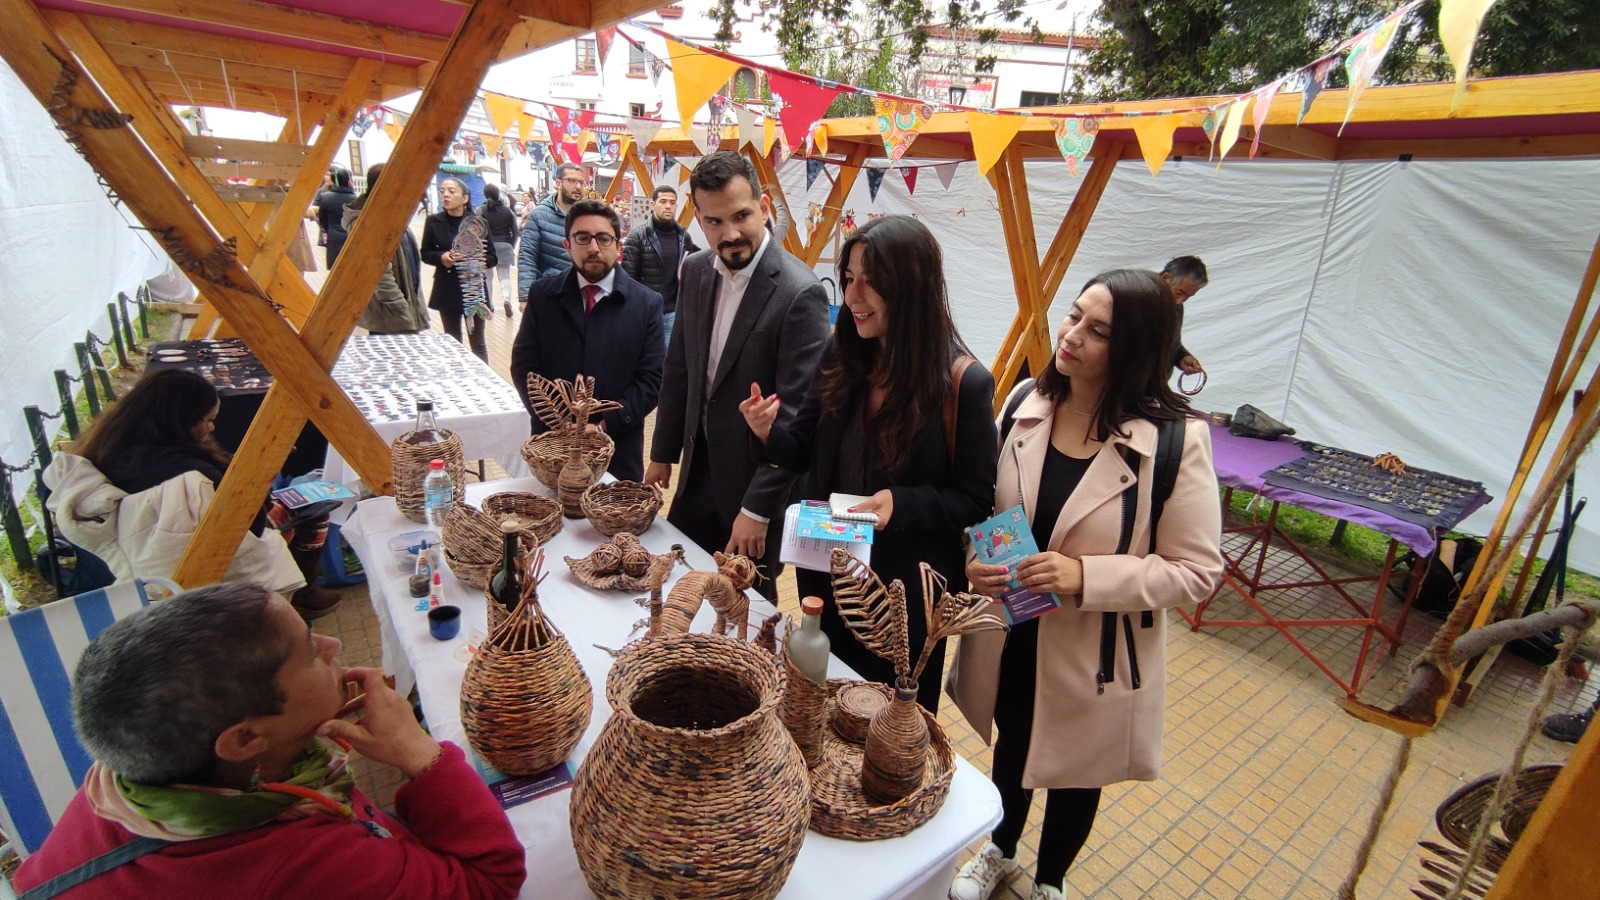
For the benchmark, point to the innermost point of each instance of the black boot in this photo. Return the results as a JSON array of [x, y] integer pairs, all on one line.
[[312, 601]]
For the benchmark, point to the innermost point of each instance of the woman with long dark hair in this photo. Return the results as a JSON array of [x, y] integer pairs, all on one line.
[[142, 479], [438, 240], [1078, 694], [873, 425]]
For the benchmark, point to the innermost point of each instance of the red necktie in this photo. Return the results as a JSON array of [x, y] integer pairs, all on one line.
[[591, 296]]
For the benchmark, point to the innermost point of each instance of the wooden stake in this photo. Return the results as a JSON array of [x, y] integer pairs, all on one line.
[[834, 205]]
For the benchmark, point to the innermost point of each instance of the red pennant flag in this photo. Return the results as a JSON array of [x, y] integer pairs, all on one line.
[[603, 39], [910, 175], [804, 102]]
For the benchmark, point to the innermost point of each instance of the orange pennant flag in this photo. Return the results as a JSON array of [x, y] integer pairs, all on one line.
[[525, 126], [503, 111], [769, 133], [697, 75], [819, 139], [586, 140], [392, 129], [991, 135], [492, 144], [1459, 21], [1230, 128], [1155, 139]]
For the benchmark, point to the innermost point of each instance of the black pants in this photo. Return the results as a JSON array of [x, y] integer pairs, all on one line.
[[480, 332], [1068, 812]]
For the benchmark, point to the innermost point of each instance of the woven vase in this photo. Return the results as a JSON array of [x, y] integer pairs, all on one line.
[[896, 754], [694, 789], [410, 463], [804, 710], [524, 710], [575, 478]]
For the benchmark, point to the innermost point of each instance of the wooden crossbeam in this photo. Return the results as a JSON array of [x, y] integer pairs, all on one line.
[[295, 24], [769, 178], [817, 241], [240, 150], [251, 193], [221, 70], [253, 171]]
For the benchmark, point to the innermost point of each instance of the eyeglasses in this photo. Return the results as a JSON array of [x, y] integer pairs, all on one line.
[[572, 181], [584, 238]]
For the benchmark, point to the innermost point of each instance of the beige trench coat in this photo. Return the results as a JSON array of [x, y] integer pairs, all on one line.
[[1082, 738]]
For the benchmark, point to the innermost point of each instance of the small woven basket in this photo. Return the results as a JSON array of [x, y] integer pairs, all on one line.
[[622, 506], [804, 710], [854, 705], [546, 452], [537, 515], [525, 701], [411, 466], [472, 542], [840, 809]]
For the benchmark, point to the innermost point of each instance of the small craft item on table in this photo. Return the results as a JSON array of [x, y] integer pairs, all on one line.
[[533, 514], [620, 564], [472, 541], [622, 506], [723, 589], [566, 409], [1428, 499], [525, 700]]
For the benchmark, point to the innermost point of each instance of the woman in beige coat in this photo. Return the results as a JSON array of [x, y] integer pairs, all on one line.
[[1078, 694]]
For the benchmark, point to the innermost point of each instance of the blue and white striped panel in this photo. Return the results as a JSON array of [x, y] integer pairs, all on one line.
[[41, 761]]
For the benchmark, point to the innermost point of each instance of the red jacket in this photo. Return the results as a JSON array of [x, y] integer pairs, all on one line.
[[455, 842]]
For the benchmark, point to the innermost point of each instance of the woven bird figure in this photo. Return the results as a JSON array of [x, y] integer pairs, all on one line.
[[562, 404], [950, 614], [874, 613]]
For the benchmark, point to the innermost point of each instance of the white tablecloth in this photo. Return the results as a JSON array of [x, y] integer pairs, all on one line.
[[385, 375], [918, 865]]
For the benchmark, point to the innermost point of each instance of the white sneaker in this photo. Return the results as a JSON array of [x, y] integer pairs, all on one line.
[[1046, 892], [982, 874]]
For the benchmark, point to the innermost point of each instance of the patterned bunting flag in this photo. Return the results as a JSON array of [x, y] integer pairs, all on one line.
[[656, 65], [1365, 58], [602, 39], [1459, 21], [802, 101], [909, 173], [899, 123], [535, 151], [666, 164], [1316, 80], [1209, 126], [1263, 107], [813, 169], [1074, 137], [945, 171], [874, 181]]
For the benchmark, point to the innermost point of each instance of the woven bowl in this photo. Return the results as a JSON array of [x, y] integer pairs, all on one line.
[[622, 506], [472, 543], [546, 452], [540, 516]]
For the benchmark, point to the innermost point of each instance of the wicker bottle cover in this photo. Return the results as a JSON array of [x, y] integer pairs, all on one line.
[[805, 696], [575, 478], [896, 754]]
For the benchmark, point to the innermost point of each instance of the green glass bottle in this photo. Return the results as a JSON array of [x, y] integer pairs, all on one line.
[[506, 586]]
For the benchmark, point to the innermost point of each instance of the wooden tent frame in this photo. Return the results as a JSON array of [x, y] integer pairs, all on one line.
[[1542, 116]]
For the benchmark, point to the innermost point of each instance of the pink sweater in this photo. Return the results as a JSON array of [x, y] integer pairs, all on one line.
[[455, 841]]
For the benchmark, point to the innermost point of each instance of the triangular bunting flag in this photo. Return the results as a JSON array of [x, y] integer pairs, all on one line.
[[1316, 79], [1074, 137], [1155, 139], [392, 129], [602, 39], [1459, 21], [945, 171], [525, 126], [667, 163], [503, 111], [698, 135], [1212, 125], [909, 173], [696, 75], [656, 65], [819, 137], [1364, 59], [491, 144], [747, 127], [1230, 128], [683, 173], [644, 131], [899, 123], [535, 151], [769, 132], [874, 181], [991, 135], [1263, 107], [804, 101], [813, 169]]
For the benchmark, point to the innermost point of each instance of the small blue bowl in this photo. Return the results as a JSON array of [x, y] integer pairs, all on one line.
[[444, 622]]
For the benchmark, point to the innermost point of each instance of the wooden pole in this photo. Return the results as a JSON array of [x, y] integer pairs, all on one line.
[[834, 205], [769, 182]]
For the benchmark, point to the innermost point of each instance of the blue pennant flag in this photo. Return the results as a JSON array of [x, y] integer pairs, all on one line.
[[813, 169], [874, 181]]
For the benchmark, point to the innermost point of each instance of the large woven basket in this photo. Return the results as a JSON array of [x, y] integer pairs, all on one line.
[[525, 707], [622, 506], [839, 808], [546, 452], [411, 466], [694, 789]]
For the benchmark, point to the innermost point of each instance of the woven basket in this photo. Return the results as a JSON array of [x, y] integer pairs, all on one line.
[[854, 705], [694, 789], [472, 544], [411, 466], [804, 710], [840, 809], [540, 515], [525, 703], [546, 452], [622, 506]]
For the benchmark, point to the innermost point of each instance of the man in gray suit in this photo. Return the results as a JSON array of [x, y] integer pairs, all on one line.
[[748, 313]]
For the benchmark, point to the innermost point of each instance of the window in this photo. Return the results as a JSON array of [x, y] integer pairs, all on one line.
[[745, 87], [1040, 98], [586, 104], [588, 58], [636, 110], [635, 60]]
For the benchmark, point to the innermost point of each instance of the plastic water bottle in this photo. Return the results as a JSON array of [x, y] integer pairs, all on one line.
[[438, 495]]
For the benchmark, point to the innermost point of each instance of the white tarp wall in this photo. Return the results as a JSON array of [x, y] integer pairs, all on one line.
[[65, 252], [1410, 307]]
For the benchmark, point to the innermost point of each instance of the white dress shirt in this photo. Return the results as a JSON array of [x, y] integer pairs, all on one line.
[[730, 293], [605, 284]]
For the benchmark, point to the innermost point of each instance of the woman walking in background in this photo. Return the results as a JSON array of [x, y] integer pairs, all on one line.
[[438, 237], [330, 206]]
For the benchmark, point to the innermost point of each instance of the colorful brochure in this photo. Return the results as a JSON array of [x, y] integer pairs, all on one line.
[[810, 534], [297, 496], [1006, 539]]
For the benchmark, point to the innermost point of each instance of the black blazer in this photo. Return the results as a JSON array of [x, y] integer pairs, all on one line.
[[619, 343], [776, 340], [438, 233]]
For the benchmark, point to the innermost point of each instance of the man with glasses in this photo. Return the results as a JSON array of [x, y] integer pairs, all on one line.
[[592, 318], [541, 251]]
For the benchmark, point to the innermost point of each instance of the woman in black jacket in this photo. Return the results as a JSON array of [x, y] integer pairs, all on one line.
[[503, 232], [872, 424], [438, 238]]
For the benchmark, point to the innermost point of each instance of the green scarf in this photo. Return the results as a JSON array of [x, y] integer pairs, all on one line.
[[205, 811]]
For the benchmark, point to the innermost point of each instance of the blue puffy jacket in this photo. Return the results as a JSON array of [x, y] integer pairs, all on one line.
[[541, 251]]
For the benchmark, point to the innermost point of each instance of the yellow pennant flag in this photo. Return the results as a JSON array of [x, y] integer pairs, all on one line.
[[492, 144], [697, 76], [819, 138], [503, 111], [585, 140], [1459, 21], [624, 144], [991, 135], [1230, 128], [525, 126], [769, 133], [1155, 139], [392, 129]]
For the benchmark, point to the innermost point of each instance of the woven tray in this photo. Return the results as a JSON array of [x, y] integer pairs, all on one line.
[[410, 463], [839, 809], [587, 569], [622, 506], [546, 452]]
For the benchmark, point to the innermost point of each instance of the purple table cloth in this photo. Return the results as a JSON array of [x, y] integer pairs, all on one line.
[[1241, 462]]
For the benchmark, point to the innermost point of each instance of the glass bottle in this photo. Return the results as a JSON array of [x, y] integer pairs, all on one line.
[[506, 586], [427, 429], [807, 645]]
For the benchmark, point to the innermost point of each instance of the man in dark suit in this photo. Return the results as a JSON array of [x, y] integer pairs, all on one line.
[[592, 319], [748, 313]]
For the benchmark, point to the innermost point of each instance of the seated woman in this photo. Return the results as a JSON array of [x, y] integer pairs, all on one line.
[[1079, 693], [142, 481], [212, 719], [873, 424]]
